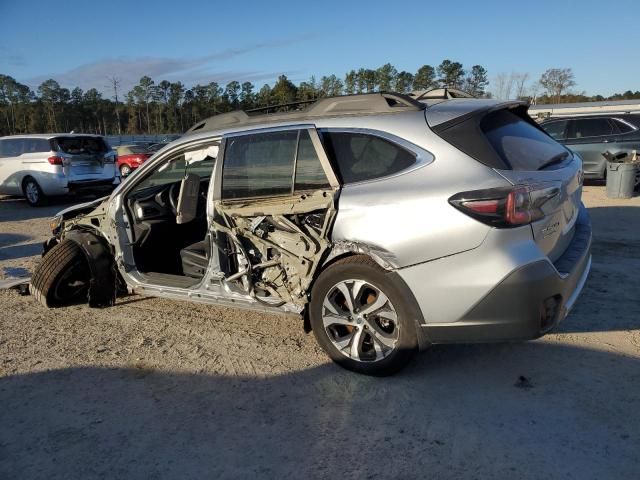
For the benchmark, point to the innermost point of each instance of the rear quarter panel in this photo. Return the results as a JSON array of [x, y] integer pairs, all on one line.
[[406, 219]]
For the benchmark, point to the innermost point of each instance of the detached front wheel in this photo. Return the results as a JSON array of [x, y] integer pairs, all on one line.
[[361, 317], [62, 277]]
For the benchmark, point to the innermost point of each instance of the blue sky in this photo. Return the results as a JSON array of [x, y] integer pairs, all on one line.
[[84, 42]]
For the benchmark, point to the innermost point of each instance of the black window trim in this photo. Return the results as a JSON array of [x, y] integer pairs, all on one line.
[[423, 156], [315, 139]]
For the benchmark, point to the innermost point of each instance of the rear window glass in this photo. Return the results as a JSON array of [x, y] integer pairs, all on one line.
[[520, 145], [80, 145], [259, 165], [360, 156]]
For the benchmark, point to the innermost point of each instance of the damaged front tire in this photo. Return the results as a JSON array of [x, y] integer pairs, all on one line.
[[63, 276]]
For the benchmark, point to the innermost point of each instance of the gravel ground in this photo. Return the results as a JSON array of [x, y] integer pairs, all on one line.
[[153, 388]]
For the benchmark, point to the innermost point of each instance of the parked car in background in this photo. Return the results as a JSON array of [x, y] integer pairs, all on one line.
[[131, 157], [591, 136], [39, 166], [386, 224], [154, 147]]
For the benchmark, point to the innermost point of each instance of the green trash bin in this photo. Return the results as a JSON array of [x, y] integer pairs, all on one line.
[[621, 179]]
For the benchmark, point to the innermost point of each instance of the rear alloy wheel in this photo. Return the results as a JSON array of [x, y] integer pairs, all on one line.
[[360, 321], [125, 170], [32, 192], [62, 277], [361, 318]]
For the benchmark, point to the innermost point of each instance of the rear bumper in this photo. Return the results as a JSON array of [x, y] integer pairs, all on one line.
[[102, 184], [528, 302]]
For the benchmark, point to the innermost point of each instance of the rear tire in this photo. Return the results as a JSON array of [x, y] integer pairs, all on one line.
[[62, 277], [32, 192], [375, 337]]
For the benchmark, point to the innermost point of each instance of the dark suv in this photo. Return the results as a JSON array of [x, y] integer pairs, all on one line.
[[591, 136]]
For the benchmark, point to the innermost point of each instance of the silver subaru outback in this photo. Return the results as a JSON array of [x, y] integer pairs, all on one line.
[[387, 223]]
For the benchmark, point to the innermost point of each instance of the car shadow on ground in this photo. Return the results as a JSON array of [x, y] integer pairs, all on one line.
[[16, 209], [530, 410], [610, 300]]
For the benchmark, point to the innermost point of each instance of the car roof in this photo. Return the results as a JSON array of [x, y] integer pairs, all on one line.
[[439, 109], [346, 105]]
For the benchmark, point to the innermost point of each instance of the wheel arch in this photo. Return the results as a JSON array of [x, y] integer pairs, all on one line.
[[99, 257], [355, 256]]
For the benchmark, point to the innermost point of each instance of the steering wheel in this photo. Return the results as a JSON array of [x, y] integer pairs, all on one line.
[[174, 193]]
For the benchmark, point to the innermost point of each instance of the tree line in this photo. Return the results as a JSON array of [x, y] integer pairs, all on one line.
[[172, 107]]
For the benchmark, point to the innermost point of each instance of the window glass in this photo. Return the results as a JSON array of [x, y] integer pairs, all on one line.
[[10, 148], [259, 165], [360, 156], [555, 129], [36, 145], [309, 172], [592, 127], [177, 167], [521, 145], [80, 145], [622, 126]]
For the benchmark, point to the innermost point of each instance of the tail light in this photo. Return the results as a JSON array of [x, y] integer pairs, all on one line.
[[55, 160], [506, 207]]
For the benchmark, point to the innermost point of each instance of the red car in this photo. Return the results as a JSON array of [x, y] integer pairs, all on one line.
[[131, 157]]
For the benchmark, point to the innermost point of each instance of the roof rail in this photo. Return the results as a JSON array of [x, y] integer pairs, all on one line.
[[444, 93], [281, 105], [362, 104]]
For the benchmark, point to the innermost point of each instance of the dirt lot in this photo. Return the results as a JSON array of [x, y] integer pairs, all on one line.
[[161, 389]]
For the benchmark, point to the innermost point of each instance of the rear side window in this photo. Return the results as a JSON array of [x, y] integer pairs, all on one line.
[[259, 165], [80, 145], [591, 127], [360, 156], [555, 129], [518, 143], [36, 145], [622, 126], [11, 147]]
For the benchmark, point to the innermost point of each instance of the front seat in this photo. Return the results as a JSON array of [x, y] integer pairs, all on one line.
[[195, 258]]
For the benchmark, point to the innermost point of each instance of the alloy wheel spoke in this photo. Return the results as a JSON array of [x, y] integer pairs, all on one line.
[[329, 320], [328, 304], [344, 342], [356, 343], [346, 292], [379, 302], [380, 337], [388, 314]]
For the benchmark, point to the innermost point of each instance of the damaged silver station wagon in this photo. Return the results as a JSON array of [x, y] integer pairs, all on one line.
[[387, 222]]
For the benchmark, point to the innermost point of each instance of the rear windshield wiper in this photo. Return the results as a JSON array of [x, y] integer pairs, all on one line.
[[559, 158]]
